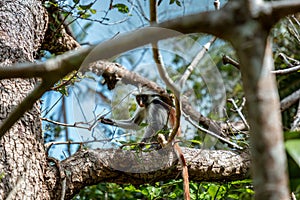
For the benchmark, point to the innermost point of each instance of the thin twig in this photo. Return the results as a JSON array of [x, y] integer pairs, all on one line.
[[289, 100], [227, 60], [75, 125], [294, 32], [287, 60], [287, 71], [200, 55], [211, 133], [50, 144], [296, 20], [238, 110], [195, 61]]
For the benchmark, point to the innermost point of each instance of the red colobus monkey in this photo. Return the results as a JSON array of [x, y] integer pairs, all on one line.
[[158, 112]]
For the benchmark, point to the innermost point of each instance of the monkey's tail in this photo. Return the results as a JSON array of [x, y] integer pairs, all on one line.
[[185, 173]]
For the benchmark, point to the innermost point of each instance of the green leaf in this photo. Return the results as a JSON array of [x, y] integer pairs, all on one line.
[[84, 15], [293, 148], [196, 141], [172, 195], [93, 11], [178, 3], [63, 90], [121, 8], [76, 1]]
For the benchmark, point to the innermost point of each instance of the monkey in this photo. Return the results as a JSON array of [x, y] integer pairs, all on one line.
[[158, 112], [155, 110]]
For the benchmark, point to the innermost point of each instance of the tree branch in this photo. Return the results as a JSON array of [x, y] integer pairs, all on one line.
[[280, 9], [196, 60], [88, 167], [289, 100]]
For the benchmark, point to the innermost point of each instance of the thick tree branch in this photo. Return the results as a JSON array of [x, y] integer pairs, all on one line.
[[280, 9], [55, 68], [88, 167]]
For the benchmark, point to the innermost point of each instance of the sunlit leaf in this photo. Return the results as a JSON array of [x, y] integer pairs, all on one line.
[[293, 148], [93, 11], [121, 8]]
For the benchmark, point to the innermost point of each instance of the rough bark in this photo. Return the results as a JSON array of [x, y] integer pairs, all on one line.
[[58, 37], [269, 159], [88, 167], [22, 156], [256, 63]]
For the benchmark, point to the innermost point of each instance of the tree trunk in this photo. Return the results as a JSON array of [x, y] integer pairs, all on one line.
[[268, 154], [22, 154]]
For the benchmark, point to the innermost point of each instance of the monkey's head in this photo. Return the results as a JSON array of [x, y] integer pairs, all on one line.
[[142, 100], [146, 96]]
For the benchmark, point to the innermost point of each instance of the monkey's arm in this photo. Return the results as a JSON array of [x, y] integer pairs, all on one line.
[[133, 123]]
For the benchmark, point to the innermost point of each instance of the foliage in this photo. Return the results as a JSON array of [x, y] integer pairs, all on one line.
[[169, 190], [178, 3], [121, 7]]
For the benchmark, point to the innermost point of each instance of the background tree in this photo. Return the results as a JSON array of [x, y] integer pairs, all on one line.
[[26, 172]]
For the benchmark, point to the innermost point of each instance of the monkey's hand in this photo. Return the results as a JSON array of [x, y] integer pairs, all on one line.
[[106, 121]]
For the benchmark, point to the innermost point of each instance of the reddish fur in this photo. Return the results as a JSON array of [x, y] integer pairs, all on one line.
[[178, 151], [172, 119]]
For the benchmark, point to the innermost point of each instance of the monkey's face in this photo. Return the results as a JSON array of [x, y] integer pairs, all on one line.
[[142, 100]]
